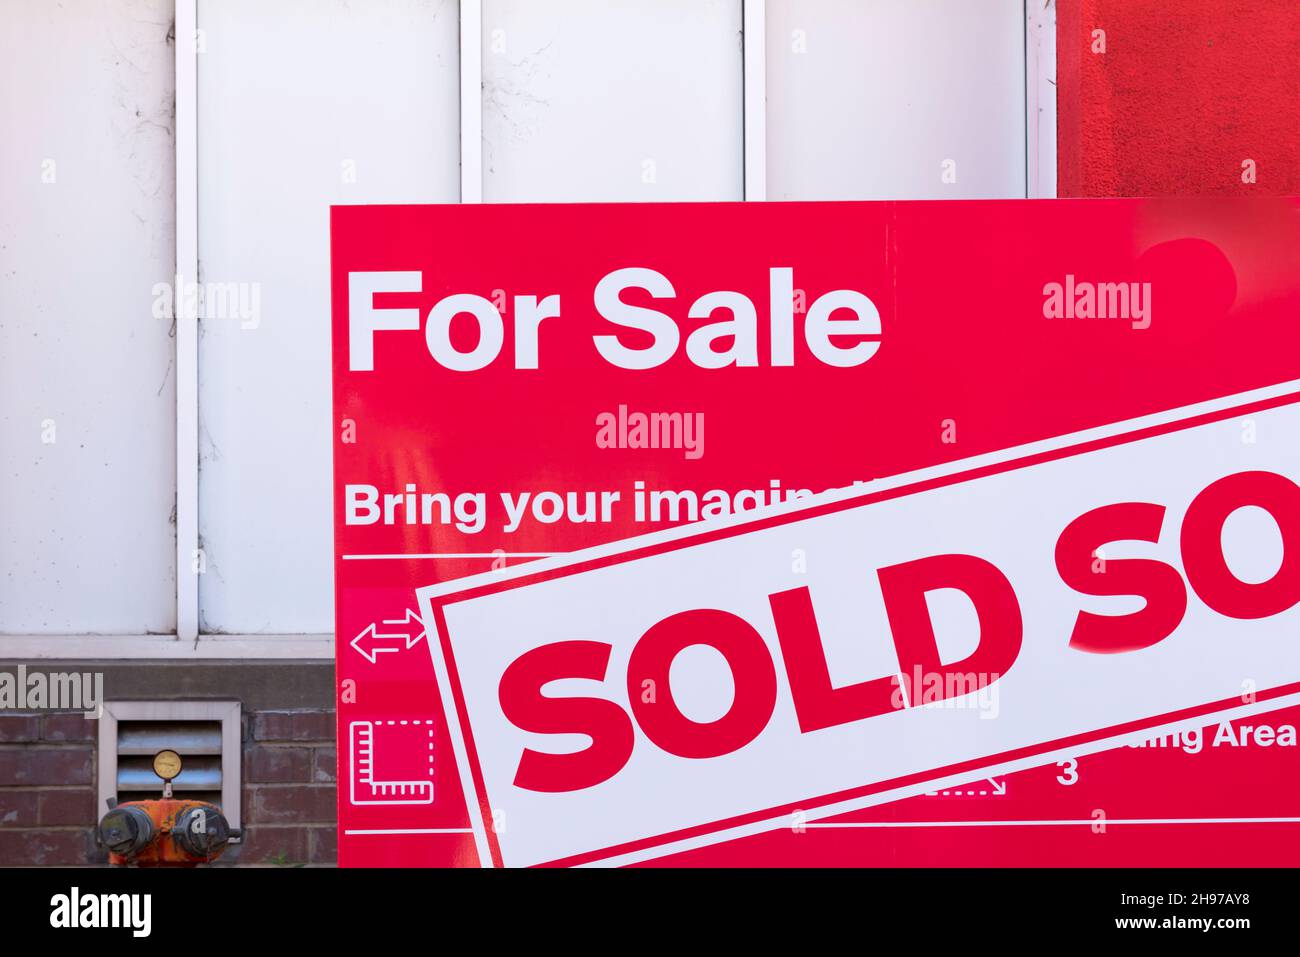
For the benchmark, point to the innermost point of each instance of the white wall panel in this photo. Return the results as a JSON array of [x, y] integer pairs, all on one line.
[[86, 212], [587, 100], [867, 99], [302, 103]]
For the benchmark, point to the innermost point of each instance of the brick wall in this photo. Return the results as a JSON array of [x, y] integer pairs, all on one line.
[[47, 789], [289, 804], [48, 761]]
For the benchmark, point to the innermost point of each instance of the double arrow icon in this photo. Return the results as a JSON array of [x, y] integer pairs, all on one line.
[[392, 634]]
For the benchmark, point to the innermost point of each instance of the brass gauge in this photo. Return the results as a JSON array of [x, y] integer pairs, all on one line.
[[167, 764]]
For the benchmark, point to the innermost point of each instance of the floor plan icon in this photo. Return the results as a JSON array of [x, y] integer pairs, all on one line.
[[392, 761]]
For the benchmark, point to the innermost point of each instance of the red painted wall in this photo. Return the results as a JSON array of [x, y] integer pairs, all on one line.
[[1185, 92]]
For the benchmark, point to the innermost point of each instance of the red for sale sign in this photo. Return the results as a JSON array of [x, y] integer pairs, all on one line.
[[855, 533]]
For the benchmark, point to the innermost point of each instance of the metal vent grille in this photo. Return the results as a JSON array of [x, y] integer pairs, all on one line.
[[206, 734], [197, 742]]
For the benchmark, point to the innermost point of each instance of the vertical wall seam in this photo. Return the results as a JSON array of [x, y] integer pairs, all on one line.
[[754, 125], [185, 313], [471, 101]]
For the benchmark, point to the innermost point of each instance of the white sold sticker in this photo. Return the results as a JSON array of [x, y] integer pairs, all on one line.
[[1003, 612]]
